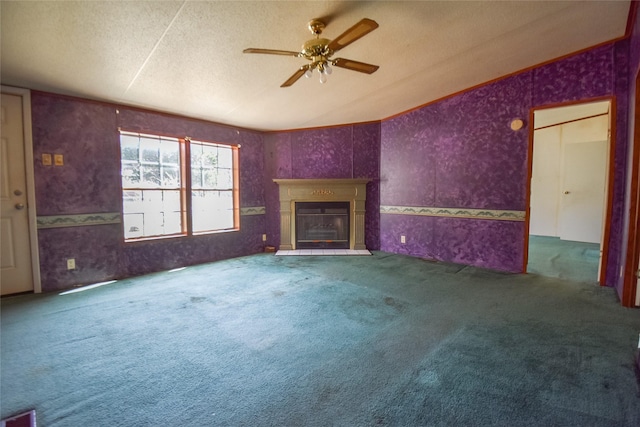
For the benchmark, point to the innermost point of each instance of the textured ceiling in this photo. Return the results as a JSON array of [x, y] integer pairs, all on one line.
[[185, 57]]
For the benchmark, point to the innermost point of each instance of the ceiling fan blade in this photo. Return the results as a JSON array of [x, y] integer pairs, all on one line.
[[294, 78], [361, 29], [355, 65], [271, 52]]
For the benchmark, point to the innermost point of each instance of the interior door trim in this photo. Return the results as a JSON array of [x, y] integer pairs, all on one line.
[[629, 285], [30, 176]]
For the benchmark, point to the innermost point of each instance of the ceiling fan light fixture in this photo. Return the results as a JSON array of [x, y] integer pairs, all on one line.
[[320, 50]]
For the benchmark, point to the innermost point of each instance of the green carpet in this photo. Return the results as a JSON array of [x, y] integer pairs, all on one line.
[[323, 341], [564, 259]]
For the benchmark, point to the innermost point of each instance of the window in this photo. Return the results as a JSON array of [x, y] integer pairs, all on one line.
[[177, 187], [211, 187]]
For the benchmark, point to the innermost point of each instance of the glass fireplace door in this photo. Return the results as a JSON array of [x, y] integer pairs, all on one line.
[[322, 225]]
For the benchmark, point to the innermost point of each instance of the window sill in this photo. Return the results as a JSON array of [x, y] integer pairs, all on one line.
[[179, 236]]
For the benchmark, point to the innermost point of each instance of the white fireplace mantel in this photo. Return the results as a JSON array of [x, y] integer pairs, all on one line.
[[353, 191]]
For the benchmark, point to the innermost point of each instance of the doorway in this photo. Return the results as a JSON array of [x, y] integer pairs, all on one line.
[[19, 270], [570, 151]]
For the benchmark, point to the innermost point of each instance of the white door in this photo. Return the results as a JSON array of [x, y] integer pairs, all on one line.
[[545, 182], [583, 191], [15, 255]]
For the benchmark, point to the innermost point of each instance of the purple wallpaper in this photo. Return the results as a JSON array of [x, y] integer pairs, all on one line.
[[323, 153], [461, 153], [587, 75], [96, 250], [86, 133], [338, 152], [481, 162], [366, 164], [456, 153], [141, 258], [461, 241]]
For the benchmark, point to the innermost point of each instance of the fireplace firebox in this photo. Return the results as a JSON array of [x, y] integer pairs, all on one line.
[[322, 225], [328, 232]]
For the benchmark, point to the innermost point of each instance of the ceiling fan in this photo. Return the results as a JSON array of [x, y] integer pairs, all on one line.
[[320, 50]]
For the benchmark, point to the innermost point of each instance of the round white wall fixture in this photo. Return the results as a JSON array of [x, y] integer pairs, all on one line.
[[517, 124]]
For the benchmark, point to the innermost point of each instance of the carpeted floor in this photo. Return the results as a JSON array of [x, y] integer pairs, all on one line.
[[373, 340], [552, 257]]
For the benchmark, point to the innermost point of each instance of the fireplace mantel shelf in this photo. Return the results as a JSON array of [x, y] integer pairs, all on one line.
[[326, 181], [330, 190]]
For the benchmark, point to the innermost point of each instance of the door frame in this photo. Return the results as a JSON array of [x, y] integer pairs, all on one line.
[[609, 183], [25, 94], [630, 284]]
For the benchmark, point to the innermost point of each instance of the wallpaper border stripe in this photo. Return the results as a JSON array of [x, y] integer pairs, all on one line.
[[81, 220], [255, 210], [491, 214]]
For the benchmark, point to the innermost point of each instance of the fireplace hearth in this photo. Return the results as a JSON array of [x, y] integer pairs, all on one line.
[[322, 213]]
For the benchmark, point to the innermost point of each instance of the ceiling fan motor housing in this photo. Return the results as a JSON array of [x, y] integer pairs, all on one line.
[[316, 47]]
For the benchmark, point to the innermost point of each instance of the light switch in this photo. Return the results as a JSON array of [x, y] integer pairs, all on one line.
[[46, 160], [58, 159]]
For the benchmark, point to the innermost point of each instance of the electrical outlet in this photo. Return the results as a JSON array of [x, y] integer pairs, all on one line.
[[403, 239], [71, 264], [264, 237]]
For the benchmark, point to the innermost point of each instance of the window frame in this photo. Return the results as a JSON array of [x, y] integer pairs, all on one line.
[[185, 187]]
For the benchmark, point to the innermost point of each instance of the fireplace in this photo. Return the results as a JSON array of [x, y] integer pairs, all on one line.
[[322, 213], [322, 225]]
